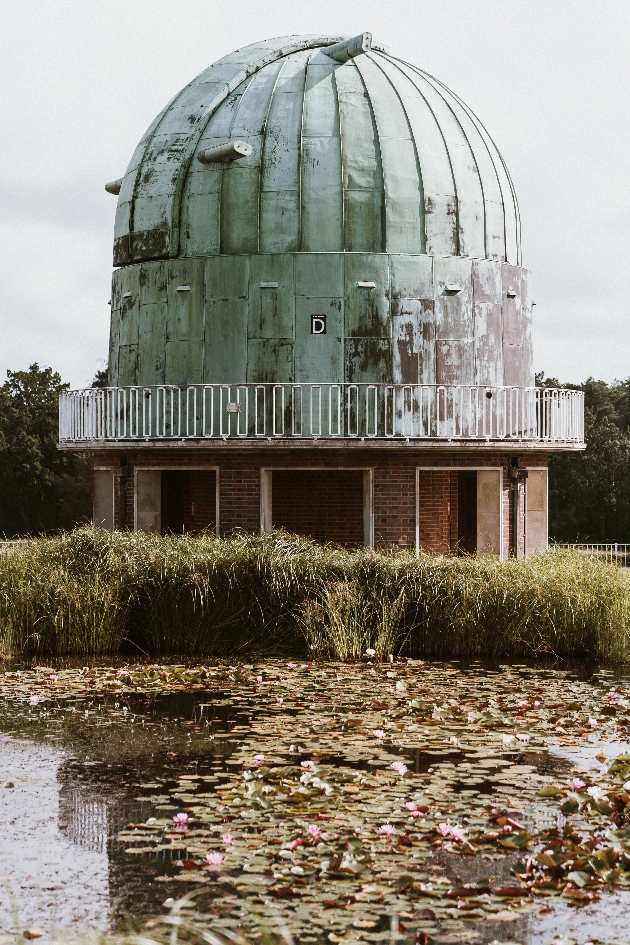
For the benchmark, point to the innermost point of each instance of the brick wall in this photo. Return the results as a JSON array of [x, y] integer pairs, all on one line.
[[394, 478], [325, 505]]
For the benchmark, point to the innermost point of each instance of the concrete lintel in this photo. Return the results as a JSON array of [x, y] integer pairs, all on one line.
[[495, 446]]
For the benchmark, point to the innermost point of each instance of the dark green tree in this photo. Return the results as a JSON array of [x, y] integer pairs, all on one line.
[[41, 487], [589, 492]]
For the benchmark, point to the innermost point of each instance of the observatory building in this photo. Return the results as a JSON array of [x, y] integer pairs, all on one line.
[[319, 317]]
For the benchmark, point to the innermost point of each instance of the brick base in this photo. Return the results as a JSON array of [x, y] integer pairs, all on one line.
[[330, 507], [324, 505]]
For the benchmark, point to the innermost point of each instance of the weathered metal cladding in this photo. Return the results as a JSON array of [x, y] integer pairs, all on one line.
[[517, 325], [390, 318], [368, 155]]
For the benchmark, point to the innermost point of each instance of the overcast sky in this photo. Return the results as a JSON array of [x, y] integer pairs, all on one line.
[[80, 80]]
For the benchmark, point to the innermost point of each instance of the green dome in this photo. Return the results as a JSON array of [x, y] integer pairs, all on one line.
[[314, 210], [367, 155]]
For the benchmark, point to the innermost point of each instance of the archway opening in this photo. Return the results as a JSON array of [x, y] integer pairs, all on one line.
[[188, 500]]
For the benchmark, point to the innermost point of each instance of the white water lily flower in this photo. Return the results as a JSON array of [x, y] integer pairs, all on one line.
[[596, 793], [400, 767], [508, 740], [370, 652]]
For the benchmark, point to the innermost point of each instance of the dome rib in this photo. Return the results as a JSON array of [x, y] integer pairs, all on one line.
[[515, 257], [404, 223], [440, 243], [469, 190], [321, 184], [491, 232], [362, 166]]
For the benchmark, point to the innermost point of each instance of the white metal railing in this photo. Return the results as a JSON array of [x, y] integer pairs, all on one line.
[[616, 552], [10, 544], [326, 411]]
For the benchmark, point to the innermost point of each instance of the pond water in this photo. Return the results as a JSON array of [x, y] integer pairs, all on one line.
[[93, 779]]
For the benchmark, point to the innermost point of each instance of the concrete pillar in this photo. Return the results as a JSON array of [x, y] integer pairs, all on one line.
[[266, 501], [489, 516], [536, 525], [103, 507], [368, 508], [148, 500]]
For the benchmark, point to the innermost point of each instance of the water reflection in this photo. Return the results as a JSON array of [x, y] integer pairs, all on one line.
[[48, 880]]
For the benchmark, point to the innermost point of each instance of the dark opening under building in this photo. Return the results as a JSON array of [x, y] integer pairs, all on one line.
[[319, 317]]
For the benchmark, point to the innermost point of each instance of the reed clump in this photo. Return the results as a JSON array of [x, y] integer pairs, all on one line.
[[91, 592]]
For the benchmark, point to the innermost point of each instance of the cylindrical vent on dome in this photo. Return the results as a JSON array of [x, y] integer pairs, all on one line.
[[350, 47], [225, 152]]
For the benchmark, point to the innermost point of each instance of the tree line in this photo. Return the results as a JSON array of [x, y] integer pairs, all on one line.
[[589, 491], [43, 489]]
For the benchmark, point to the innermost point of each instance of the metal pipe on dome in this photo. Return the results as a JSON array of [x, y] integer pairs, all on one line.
[[225, 152], [349, 48]]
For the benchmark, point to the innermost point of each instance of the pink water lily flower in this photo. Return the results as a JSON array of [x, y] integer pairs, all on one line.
[[181, 821], [259, 679], [412, 807], [308, 765], [592, 723], [291, 665], [259, 759], [53, 677], [34, 700], [215, 859], [388, 830], [576, 785], [401, 768], [379, 733], [314, 830], [228, 839], [279, 700], [451, 832]]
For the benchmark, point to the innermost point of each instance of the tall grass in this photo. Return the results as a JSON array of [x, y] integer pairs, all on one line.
[[91, 591], [347, 620]]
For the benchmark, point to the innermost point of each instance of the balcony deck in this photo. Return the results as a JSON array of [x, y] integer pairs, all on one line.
[[327, 415]]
